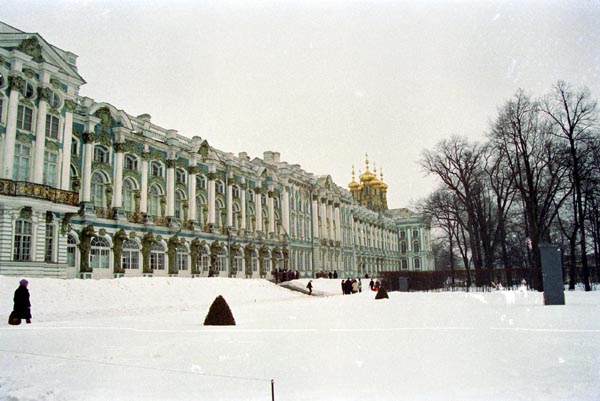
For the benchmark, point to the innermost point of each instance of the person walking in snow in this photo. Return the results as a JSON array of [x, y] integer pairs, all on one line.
[[359, 285], [22, 307], [309, 286], [371, 284]]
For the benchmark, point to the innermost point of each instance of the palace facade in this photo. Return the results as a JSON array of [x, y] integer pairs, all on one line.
[[89, 191]]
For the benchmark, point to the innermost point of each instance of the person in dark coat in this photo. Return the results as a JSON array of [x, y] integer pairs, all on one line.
[[309, 286], [22, 308]]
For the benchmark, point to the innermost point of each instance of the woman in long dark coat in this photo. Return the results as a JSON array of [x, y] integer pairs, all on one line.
[[22, 308]]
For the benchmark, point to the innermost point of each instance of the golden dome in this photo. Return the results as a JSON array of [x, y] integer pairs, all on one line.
[[382, 184], [353, 185], [367, 176]]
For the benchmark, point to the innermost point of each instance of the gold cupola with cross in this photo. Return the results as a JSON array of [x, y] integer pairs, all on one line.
[[370, 191]]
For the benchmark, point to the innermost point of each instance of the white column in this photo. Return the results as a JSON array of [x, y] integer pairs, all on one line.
[[259, 216], [330, 217], [40, 140], [243, 201], [66, 150], [338, 226], [192, 192], [323, 214], [229, 205], [86, 174], [170, 212], [211, 192], [144, 184], [271, 208], [315, 217], [11, 130], [285, 210], [118, 181]]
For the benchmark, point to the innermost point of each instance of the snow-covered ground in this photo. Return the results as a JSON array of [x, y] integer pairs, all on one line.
[[143, 339]]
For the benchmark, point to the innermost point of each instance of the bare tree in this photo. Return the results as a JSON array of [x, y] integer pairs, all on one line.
[[536, 163], [574, 117]]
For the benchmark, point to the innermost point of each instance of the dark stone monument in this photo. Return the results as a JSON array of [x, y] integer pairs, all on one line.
[[554, 291]]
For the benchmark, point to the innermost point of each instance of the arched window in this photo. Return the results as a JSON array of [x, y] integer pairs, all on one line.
[[73, 178], [98, 190], [154, 200], [221, 262], [99, 253], [100, 154], [219, 212], [128, 196], [156, 169], [276, 202], [200, 182], [415, 234], [251, 196], [54, 100], [179, 198], [131, 163], [130, 256], [179, 176], [201, 206], [71, 250], [236, 213], [219, 187], [182, 257], [22, 240], [403, 247], [416, 247], [235, 191], [417, 264], [253, 261], [74, 147], [237, 261], [203, 260], [157, 256]]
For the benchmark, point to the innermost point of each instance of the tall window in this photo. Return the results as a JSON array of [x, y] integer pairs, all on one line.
[[128, 196], [100, 154], [71, 250], [219, 187], [237, 261], [403, 247], [182, 257], [49, 251], [157, 256], [98, 190], [1, 103], [154, 201], [72, 177], [200, 205], [130, 162], [200, 182], [130, 255], [21, 162], [179, 198], [156, 169], [74, 147], [415, 234], [203, 260], [179, 176], [417, 264], [52, 124], [404, 264], [24, 118], [235, 191], [416, 247], [221, 262], [99, 253], [253, 261], [22, 246], [50, 163]]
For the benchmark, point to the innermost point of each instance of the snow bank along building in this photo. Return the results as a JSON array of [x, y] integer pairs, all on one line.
[[87, 190]]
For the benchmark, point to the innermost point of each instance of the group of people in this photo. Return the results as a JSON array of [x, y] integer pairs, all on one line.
[[351, 286], [281, 275], [22, 304]]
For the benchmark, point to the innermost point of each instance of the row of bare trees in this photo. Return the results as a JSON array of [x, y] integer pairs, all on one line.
[[534, 180]]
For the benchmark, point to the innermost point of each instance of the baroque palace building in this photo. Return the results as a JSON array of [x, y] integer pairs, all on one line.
[[89, 191]]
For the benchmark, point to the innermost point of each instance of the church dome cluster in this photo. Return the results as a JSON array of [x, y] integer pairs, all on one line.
[[370, 192]]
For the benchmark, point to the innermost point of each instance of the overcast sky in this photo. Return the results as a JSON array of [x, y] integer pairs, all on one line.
[[322, 82]]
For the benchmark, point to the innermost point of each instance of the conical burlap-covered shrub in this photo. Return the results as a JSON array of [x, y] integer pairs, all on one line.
[[381, 293], [219, 314]]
